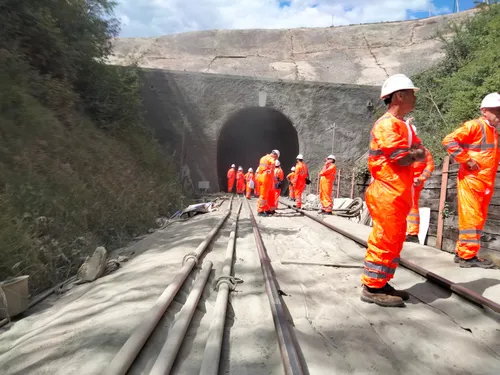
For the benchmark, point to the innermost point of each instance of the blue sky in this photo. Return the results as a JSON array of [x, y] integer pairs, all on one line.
[[145, 18]]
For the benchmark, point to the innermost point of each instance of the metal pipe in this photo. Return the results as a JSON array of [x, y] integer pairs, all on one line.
[[168, 353], [353, 180], [291, 361], [442, 201], [338, 185], [129, 351], [463, 292], [211, 356]]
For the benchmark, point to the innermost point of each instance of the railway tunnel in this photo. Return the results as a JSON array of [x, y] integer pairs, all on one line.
[[249, 134]]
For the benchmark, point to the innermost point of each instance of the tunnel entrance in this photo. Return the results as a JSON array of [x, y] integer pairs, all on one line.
[[251, 133]]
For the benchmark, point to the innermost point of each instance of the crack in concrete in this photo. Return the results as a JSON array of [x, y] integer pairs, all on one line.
[[412, 36], [374, 57], [292, 55]]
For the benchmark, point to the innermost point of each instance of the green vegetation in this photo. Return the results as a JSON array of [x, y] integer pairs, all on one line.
[[452, 91], [77, 167]]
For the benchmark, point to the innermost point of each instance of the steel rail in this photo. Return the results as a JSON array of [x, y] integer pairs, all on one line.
[[463, 292], [289, 354], [122, 361]]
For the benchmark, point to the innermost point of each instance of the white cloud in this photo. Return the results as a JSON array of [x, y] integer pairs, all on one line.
[[160, 17]]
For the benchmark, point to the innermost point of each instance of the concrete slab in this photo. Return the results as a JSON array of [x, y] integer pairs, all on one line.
[[482, 281]]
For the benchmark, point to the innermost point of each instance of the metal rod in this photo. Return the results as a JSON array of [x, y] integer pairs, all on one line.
[[291, 362], [211, 357], [338, 184], [308, 263], [442, 201], [168, 353], [129, 351], [353, 180], [463, 292]]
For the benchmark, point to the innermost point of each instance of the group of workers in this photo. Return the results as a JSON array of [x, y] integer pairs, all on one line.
[[399, 165]]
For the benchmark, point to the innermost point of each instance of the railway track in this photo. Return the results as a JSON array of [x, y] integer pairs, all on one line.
[[301, 314]]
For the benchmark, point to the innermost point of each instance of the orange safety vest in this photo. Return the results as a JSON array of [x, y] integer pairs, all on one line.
[[266, 165]]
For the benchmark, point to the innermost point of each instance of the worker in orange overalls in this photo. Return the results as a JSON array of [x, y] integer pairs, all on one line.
[[240, 181], [250, 183], [421, 172], [327, 176], [279, 176], [301, 175], [231, 178], [393, 148], [266, 182], [475, 147], [257, 185], [291, 182]]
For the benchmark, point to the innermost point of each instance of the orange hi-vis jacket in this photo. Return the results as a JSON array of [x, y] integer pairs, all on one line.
[[476, 140], [327, 176], [389, 197], [231, 178], [291, 182], [240, 182], [422, 171], [266, 182]]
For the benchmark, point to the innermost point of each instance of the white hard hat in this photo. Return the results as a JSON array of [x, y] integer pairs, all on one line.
[[277, 163], [414, 129], [395, 83], [233, 166], [293, 169], [240, 168], [276, 152], [300, 157], [250, 170], [491, 100], [331, 157]]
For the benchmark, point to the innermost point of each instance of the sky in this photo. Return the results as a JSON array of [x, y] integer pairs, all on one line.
[[146, 18]]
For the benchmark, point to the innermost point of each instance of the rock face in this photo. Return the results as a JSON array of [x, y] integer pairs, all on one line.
[[358, 54]]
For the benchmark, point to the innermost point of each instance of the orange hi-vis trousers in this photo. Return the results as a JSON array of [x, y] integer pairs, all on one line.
[[266, 182], [472, 212], [299, 190], [272, 198], [291, 192], [249, 191], [413, 219]]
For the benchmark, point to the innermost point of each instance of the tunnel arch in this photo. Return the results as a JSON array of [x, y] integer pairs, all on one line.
[[249, 134]]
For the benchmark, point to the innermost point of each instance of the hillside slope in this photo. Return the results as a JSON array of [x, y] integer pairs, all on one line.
[[357, 54]]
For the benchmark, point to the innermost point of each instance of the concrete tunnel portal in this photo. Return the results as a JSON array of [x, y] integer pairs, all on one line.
[[249, 134]]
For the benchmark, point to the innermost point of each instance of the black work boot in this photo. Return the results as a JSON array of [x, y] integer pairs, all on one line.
[[412, 238], [403, 294], [380, 297], [263, 214], [476, 262]]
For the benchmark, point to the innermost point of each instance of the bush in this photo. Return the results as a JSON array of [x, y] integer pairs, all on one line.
[[78, 168], [452, 90]]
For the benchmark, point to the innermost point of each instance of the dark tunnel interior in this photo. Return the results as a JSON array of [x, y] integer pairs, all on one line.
[[251, 133]]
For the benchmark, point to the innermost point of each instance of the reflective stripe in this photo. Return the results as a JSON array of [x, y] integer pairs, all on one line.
[[375, 152], [426, 171], [469, 241], [396, 260], [451, 144], [379, 267], [398, 152], [374, 275], [414, 214], [414, 221], [457, 152], [470, 231], [480, 147]]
